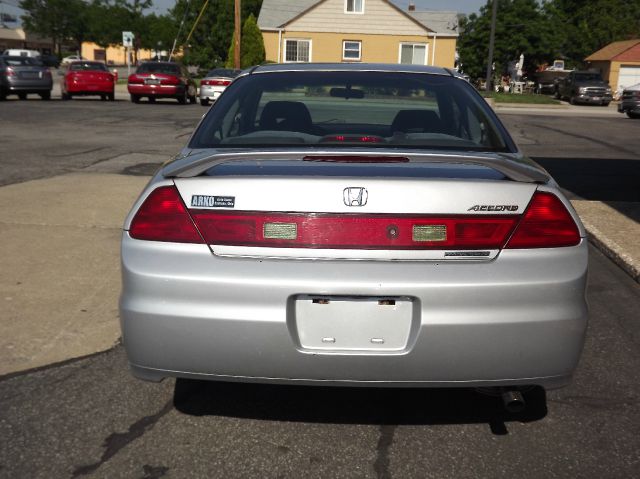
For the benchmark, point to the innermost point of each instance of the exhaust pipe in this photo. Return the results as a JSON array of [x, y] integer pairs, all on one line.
[[513, 401]]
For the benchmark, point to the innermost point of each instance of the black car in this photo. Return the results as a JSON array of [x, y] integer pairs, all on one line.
[[50, 60]]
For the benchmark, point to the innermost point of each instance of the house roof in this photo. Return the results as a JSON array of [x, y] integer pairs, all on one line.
[[611, 51], [276, 14]]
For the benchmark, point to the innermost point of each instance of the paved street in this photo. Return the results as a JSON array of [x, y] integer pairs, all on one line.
[[89, 418]]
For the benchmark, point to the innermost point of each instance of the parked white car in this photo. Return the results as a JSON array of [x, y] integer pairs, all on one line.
[[18, 52], [72, 58]]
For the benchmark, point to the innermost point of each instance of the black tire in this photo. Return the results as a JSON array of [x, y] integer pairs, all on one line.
[[3, 95], [135, 98], [103, 97], [605, 103], [182, 99], [111, 96], [66, 96], [152, 99], [630, 114], [204, 102], [572, 100], [22, 96], [45, 95]]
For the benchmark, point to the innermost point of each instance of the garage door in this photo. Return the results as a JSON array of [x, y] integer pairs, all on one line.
[[628, 76]]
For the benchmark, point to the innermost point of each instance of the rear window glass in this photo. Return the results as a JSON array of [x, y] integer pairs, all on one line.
[[151, 67], [21, 61], [372, 109], [79, 66]]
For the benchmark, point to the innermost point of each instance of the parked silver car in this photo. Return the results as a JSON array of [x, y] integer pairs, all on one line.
[[21, 75], [214, 83], [354, 224]]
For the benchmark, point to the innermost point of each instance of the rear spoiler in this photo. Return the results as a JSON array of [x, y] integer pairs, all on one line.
[[513, 166]]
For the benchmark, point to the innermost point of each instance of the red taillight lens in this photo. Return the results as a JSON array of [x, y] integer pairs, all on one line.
[[334, 231], [545, 224], [135, 79], [170, 80], [10, 72], [163, 217]]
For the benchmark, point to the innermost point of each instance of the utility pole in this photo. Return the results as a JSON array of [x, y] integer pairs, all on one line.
[[236, 36], [492, 38]]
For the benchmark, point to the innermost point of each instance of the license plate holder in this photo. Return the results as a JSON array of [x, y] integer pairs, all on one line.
[[358, 324]]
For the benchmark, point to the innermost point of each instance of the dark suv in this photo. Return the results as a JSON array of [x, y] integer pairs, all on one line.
[[23, 75], [584, 87]]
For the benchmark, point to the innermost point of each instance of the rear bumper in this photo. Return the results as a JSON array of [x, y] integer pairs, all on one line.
[[210, 93], [584, 98], [29, 86], [631, 106], [90, 88], [520, 319], [157, 91]]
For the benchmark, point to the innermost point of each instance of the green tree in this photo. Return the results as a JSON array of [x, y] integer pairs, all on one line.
[[521, 28], [588, 25], [60, 20], [251, 45], [209, 42]]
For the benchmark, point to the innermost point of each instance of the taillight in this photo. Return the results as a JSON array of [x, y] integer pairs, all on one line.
[[216, 82], [10, 72], [135, 79], [348, 231], [47, 73], [545, 224], [164, 217], [170, 80]]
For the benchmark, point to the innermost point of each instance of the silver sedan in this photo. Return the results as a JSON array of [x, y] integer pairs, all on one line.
[[354, 225], [214, 83]]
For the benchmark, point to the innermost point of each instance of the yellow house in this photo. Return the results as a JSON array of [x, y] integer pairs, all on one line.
[[372, 31], [619, 63], [112, 55]]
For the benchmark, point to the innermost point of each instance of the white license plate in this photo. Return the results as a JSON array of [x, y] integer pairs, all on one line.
[[152, 81], [339, 323]]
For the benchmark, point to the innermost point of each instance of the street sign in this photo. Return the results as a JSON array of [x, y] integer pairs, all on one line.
[[127, 39]]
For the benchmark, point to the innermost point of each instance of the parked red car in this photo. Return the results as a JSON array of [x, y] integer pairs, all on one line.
[[88, 78], [162, 80]]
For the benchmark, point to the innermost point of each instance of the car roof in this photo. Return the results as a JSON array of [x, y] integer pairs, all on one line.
[[350, 67]]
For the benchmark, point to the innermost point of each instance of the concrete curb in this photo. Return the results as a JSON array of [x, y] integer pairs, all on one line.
[[613, 251]]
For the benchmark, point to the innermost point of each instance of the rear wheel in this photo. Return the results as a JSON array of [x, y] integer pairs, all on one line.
[[3, 95], [605, 103], [135, 98], [45, 95], [66, 96], [103, 97], [182, 99], [152, 99], [204, 102], [630, 114], [22, 96], [111, 96], [572, 100]]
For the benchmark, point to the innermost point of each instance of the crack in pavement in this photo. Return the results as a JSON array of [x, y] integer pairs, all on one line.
[[588, 138], [381, 465], [118, 441]]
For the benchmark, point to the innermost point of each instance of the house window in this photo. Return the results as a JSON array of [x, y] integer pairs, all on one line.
[[354, 6], [351, 50], [413, 53], [297, 51]]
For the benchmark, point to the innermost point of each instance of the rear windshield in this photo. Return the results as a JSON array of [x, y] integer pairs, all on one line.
[[88, 66], [21, 61], [151, 67], [223, 72], [373, 109]]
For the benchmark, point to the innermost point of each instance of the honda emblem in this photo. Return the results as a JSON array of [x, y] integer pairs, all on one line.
[[355, 196]]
